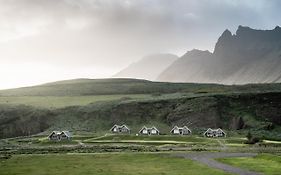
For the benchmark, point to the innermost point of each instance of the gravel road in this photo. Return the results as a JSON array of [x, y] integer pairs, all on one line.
[[208, 159]]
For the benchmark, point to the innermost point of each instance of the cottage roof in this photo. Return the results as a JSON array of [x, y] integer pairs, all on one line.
[[208, 130], [214, 130], [153, 127], [125, 126], [175, 127], [147, 128], [54, 132], [219, 129], [184, 127], [144, 127], [67, 133], [114, 126]]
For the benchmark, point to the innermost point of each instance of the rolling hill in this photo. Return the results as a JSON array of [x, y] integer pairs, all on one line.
[[85, 87], [113, 86]]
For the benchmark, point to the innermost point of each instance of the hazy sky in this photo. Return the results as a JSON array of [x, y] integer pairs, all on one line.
[[48, 40]]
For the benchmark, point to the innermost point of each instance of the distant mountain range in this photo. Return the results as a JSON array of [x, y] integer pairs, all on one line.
[[149, 67], [249, 56]]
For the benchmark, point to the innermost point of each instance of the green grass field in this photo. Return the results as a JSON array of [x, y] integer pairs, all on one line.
[[63, 101], [152, 138], [119, 139], [103, 164], [266, 163]]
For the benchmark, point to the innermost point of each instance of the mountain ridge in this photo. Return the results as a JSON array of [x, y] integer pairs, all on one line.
[[149, 67], [114, 86], [248, 56]]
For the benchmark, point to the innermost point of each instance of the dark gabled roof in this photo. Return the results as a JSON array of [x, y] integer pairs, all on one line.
[[153, 127], [175, 127], [209, 129], [219, 129], [144, 127], [114, 127], [54, 132], [125, 127], [67, 133], [184, 127], [119, 126], [214, 130]]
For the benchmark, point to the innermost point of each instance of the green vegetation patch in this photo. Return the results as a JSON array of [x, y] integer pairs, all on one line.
[[152, 138], [103, 164], [266, 163], [63, 101]]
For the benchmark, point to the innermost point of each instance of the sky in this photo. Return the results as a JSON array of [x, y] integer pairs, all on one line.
[[49, 40]]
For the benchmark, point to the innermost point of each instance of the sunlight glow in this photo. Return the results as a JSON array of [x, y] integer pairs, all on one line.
[[28, 74]]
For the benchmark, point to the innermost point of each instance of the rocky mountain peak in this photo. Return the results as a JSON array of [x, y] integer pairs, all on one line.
[[277, 28], [243, 29], [248, 56]]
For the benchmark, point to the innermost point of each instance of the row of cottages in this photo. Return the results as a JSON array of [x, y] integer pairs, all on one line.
[[123, 129], [214, 133], [60, 135]]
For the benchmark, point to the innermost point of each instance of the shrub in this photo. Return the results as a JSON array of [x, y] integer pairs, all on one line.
[[251, 139]]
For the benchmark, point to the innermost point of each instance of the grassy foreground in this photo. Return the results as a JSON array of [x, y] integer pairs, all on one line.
[[103, 164], [265, 163]]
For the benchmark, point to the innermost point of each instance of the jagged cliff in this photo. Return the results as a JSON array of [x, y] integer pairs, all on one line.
[[249, 56]]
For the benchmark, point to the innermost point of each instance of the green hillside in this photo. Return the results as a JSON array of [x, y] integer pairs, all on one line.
[[240, 113], [85, 87], [64, 101], [65, 105]]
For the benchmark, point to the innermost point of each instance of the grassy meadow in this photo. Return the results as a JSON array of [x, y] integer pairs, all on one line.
[[104, 164], [64, 101], [267, 164]]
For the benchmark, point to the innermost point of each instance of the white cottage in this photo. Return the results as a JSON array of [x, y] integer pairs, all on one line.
[[180, 130], [123, 129], [214, 133], [149, 131], [60, 135]]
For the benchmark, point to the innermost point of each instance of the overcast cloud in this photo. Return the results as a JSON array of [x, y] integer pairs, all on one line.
[[47, 40]]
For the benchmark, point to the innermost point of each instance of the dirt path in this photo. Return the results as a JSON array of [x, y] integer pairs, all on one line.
[[208, 159], [223, 145], [81, 143]]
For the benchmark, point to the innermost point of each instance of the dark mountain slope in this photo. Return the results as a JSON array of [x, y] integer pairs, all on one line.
[[189, 67], [249, 56], [148, 67]]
